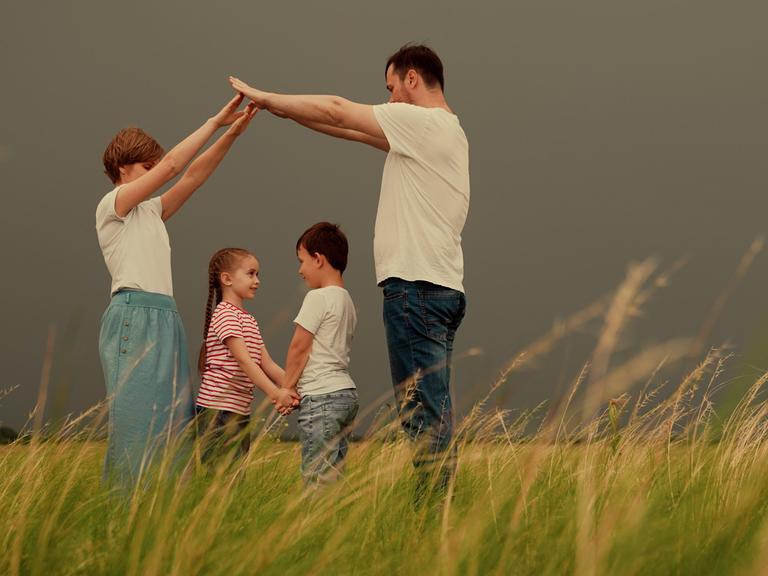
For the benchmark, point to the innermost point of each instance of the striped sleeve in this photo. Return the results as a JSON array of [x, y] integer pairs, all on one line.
[[226, 323]]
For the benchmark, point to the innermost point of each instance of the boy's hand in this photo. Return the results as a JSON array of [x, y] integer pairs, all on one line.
[[285, 400], [241, 124], [294, 398], [229, 113]]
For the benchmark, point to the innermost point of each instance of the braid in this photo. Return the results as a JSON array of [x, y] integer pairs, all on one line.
[[222, 261]]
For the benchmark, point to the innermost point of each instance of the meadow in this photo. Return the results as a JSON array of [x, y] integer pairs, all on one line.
[[625, 473]]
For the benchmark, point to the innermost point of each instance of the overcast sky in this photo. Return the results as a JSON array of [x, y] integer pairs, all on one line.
[[600, 133]]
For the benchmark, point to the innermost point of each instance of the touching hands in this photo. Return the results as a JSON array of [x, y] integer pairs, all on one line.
[[241, 123], [286, 400], [229, 114], [257, 96]]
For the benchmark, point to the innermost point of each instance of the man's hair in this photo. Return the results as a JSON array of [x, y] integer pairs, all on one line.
[[129, 146], [326, 239], [420, 58]]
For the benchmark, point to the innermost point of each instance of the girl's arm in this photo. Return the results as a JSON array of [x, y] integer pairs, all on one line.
[[298, 354], [280, 396], [204, 165], [272, 368], [170, 165]]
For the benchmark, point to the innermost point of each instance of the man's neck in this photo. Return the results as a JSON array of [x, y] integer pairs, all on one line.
[[432, 99]]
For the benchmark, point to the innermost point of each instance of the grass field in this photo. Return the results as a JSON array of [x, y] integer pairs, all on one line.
[[624, 474]]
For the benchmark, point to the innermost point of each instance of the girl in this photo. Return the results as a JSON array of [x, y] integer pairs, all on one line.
[[233, 358], [142, 344]]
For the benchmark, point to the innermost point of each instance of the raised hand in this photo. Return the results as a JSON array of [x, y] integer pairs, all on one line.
[[229, 114], [257, 96], [241, 123]]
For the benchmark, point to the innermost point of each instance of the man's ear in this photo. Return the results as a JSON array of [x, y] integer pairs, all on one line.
[[412, 78]]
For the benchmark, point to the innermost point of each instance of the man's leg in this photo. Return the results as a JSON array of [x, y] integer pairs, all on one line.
[[421, 320]]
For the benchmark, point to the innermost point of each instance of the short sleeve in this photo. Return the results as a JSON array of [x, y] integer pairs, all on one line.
[[403, 125], [156, 204], [312, 312], [105, 211], [225, 323]]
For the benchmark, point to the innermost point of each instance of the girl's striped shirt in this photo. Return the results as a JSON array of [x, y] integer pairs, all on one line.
[[225, 386]]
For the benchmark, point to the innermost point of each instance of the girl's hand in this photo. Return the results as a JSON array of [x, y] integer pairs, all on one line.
[[285, 400], [229, 113], [241, 124]]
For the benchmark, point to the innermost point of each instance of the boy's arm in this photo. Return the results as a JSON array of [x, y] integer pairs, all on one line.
[[332, 111], [204, 165], [169, 166], [298, 354], [238, 349]]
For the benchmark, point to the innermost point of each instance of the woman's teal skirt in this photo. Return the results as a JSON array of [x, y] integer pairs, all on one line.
[[143, 352]]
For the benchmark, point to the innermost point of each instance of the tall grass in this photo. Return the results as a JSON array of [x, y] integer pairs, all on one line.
[[625, 474]]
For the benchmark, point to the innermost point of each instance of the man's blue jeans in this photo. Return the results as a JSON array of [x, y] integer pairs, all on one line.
[[421, 320]]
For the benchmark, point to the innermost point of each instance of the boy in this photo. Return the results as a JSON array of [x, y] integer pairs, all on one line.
[[318, 356]]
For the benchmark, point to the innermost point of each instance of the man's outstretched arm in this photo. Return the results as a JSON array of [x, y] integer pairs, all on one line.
[[318, 112], [345, 133]]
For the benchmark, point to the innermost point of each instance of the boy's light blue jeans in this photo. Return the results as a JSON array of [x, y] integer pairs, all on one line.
[[421, 320], [325, 422]]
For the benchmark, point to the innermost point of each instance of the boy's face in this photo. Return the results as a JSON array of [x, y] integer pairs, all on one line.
[[309, 267]]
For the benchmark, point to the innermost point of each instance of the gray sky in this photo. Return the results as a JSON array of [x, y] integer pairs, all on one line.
[[600, 133]]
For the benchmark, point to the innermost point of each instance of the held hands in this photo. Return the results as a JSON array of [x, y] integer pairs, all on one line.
[[286, 400]]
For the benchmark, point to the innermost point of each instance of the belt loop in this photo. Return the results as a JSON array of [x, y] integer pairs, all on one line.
[[128, 297]]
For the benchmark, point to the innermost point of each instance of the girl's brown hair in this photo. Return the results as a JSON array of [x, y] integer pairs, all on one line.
[[225, 260]]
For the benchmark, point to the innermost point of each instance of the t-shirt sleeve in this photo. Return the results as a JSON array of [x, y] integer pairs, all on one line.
[[105, 211], [403, 125], [156, 205], [312, 312], [225, 324]]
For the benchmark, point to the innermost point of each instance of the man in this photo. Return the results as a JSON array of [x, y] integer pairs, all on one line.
[[423, 205]]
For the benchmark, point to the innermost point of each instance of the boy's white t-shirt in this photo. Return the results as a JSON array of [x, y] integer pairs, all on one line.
[[136, 248], [424, 196], [329, 314]]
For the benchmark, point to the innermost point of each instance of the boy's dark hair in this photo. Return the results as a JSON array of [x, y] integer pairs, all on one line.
[[326, 239], [420, 58], [129, 146]]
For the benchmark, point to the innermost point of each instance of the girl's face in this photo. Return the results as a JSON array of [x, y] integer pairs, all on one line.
[[244, 279]]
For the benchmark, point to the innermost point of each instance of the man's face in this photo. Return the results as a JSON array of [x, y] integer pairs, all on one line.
[[397, 86]]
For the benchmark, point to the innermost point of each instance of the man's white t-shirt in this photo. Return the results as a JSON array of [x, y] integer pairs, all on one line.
[[136, 248], [424, 196], [329, 314]]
